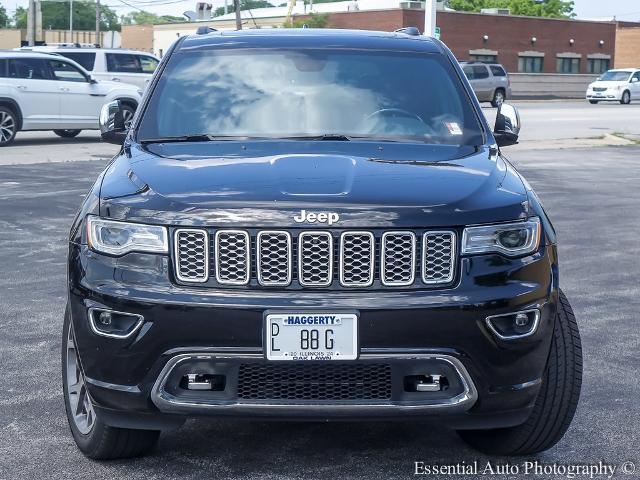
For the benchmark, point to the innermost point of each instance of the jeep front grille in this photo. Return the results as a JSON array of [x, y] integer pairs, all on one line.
[[273, 258], [232, 258], [398, 264], [191, 255], [438, 257], [357, 253], [315, 259]]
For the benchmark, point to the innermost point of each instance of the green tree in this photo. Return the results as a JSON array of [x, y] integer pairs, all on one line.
[[4, 18], [314, 20], [548, 8], [141, 17], [55, 16], [244, 5]]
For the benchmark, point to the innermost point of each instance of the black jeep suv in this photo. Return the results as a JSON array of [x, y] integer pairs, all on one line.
[[315, 225]]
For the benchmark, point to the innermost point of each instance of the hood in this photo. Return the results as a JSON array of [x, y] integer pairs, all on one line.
[[268, 183], [608, 83]]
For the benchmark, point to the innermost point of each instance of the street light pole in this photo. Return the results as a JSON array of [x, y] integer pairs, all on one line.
[[71, 20], [430, 18], [31, 23], [98, 42]]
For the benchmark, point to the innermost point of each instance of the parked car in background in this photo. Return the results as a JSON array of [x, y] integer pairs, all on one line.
[[489, 81], [621, 85], [113, 64], [41, 91]]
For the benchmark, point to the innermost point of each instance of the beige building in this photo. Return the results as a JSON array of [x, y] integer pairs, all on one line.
[[13, 37], [627, 45]]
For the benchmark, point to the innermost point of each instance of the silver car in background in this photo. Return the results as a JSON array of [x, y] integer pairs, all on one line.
[[489, 81]]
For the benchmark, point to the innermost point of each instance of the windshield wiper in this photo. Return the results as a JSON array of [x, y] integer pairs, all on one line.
[[194, 138], [336, 137]]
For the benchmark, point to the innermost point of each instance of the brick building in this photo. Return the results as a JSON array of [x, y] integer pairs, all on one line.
[[521, 44]]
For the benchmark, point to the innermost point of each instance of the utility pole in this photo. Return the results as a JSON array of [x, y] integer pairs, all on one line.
[[71, 20], [98, 42], [430, 18], [236, 5], [31, 23]]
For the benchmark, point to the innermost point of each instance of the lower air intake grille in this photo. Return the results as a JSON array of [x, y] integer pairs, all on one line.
[[321, 381]]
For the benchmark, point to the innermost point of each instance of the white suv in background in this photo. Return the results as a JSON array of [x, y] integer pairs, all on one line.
[[40, 91], [620, 85], [113, 64]]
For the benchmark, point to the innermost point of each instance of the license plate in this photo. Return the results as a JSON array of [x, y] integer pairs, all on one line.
[[312, 336]]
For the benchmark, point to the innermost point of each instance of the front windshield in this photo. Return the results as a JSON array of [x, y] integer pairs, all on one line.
[[613, 76], [289, 93]]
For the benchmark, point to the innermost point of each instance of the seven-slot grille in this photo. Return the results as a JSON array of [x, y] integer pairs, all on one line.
[[315, 259], [278, 258], [232, 257], [273, 256], [191, 255]]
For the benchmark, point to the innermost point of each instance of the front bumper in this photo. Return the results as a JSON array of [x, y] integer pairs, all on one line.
[[608, 95], [406, 329]]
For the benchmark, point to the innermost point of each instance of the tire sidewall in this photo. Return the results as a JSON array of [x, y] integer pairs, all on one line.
[[15, 123], [626, 97], [86, 442]]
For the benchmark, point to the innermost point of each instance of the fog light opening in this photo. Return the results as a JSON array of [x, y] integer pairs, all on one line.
[[425, 383], [203, 381], [113, 324], [511, 326]]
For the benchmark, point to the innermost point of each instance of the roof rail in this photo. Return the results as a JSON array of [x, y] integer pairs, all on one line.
[[205, 30], [413, 31]]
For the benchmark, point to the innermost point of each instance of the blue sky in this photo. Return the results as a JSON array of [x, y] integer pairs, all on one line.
[[622, 9]]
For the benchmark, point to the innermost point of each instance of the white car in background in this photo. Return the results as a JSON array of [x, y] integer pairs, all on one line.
[[620, 85], [112, 64], [41, 91]]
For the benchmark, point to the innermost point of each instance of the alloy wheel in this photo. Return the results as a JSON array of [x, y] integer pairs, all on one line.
[[7, 127], [498, 98], [81, 408]]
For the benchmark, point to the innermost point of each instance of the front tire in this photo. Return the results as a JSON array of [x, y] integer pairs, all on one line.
[[556, 403], [8, 126], [67, 133], [593, 102], [93, 437], [626, 98]]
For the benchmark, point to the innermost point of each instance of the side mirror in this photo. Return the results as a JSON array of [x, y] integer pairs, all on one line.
[[92, 80], [635, 80], [112, 128], [507, 128]]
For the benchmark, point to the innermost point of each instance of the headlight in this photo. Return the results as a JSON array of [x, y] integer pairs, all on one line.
[[118, 238], [511, 239]]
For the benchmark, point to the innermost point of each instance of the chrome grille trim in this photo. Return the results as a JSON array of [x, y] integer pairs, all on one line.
[[438, 261], [282, 273], [191, 250], [238, 270], [349, 262], [400, 275], [322, 267]]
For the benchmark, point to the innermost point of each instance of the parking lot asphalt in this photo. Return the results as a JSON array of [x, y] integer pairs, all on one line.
[[592, 195]]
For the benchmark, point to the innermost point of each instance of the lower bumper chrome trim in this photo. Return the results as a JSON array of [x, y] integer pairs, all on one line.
[[457, 404]]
